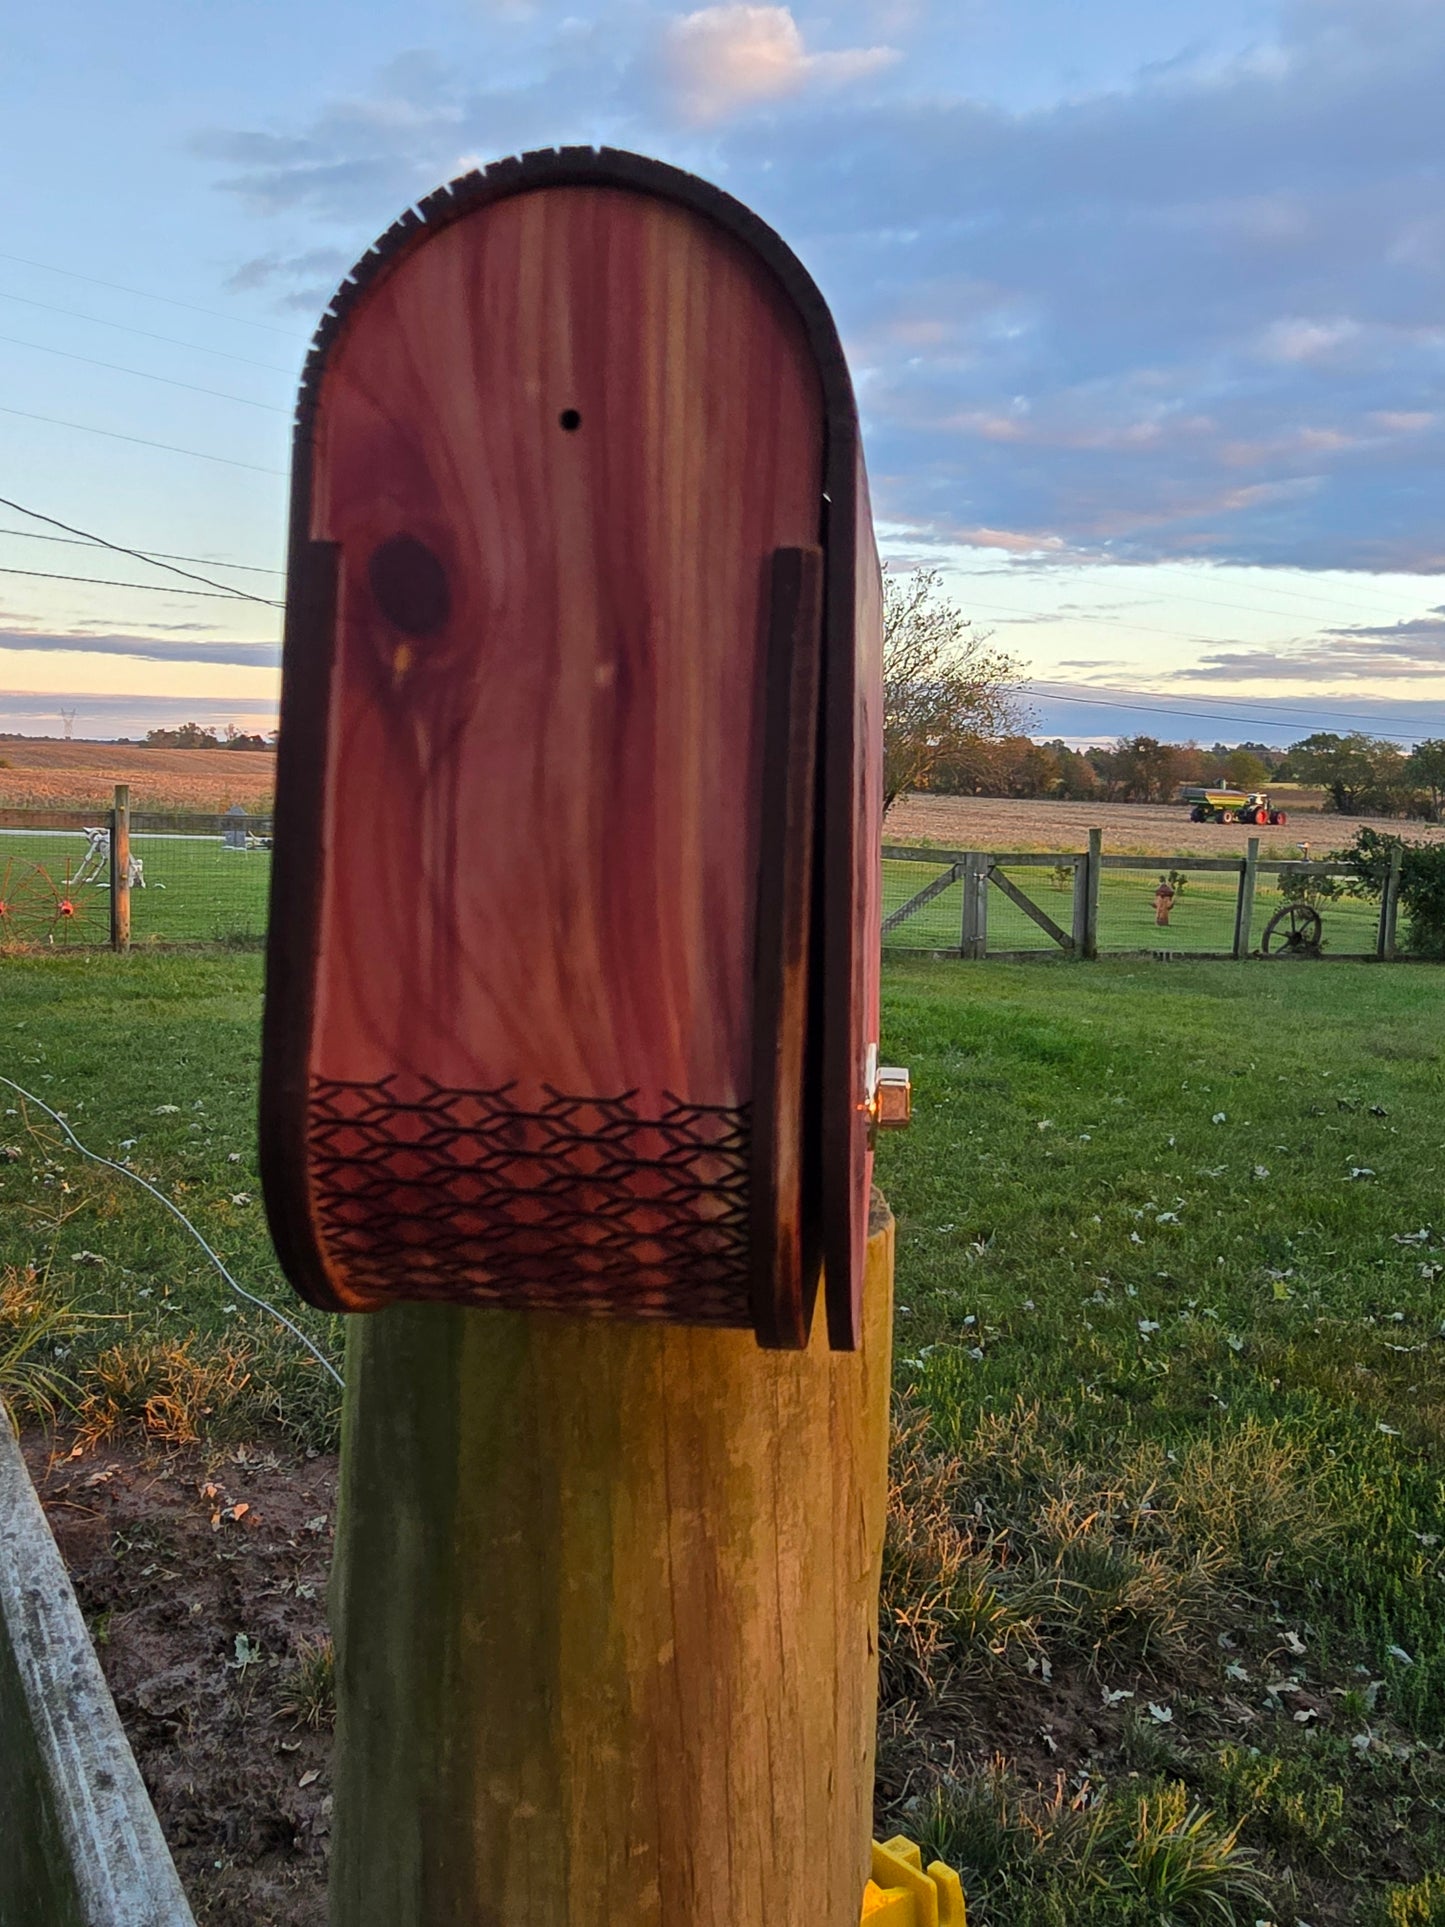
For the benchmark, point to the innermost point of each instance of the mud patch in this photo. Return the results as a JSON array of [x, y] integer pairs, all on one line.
[[202, 1577]]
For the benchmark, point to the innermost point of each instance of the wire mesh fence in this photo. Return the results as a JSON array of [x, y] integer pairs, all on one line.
[[975, 903], [205, 879], [194, 879]]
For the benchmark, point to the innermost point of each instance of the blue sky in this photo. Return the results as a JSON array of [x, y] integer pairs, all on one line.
[[1145, 305]]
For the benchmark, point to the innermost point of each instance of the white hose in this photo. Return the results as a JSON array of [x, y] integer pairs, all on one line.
[[176, 1212]]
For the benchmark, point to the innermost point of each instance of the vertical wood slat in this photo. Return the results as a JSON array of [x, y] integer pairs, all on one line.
[[605, 1606], [974, 935], [120, 869], [1389, 909], [1244, 906], [1091, 897], [1079, 922]]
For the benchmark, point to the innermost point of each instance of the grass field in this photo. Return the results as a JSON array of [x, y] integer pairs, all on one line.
[[1163, 1593], [197, 890]]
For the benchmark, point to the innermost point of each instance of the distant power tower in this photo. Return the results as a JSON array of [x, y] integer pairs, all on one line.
[[67, 717]]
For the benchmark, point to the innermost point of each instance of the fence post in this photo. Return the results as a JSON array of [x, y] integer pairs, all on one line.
[[1244, 908], [1095, 868], [120, 869], [1389, 907], [1079, 923], [969, 935]]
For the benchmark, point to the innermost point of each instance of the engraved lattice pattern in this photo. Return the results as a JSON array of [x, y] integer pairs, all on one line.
[[578, 1204]]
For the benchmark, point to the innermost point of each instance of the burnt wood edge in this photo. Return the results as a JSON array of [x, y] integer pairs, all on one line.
[[782, 1232], [292, 923], [834, 1026]]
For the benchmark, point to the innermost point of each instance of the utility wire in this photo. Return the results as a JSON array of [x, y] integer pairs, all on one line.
[[146, 334], [176, 1212], [137, 555], [151, 555], [140, 441], [116, 368], [169, 300], [150, 588]]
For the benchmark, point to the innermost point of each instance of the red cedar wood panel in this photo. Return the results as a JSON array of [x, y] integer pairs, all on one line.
[[542, 826], [841, 984]]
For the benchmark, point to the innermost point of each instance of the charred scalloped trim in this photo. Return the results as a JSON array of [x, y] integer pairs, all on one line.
[[566, 167]]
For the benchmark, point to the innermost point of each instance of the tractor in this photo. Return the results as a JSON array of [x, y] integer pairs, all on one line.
[[1232, 806]]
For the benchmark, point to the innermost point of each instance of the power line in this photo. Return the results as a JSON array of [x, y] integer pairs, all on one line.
[[150, 588], [150, 555], [1280, 719], [140, 441], [146, 334], [137, 555], [116, 368], [118, 287]]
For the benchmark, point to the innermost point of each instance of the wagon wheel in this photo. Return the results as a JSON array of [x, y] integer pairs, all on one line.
[[1294, 931], [59, 911], [27, 903]]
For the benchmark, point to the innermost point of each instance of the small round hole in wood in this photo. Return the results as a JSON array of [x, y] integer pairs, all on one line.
[[570, 419]]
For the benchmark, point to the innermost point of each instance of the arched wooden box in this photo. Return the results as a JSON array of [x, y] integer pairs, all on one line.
[[571, 994]]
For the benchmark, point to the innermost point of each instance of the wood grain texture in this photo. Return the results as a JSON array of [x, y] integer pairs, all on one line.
[[544, 769], [538, 914], [852, 918], [605, 1604]]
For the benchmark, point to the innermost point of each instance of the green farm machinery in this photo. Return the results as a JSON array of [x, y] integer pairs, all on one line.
[[1232, 806]]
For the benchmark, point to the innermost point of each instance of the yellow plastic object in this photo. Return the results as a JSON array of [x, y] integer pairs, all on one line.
[[902, 1894]]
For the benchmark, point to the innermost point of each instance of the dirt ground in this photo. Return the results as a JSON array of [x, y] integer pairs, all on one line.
[[37, 773], [1002, 823], [202, 1577]]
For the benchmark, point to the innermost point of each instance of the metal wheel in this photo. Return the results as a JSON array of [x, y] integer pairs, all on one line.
[[1294, 931]]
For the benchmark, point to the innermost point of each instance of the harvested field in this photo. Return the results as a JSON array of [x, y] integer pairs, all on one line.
[[38, 773], [1005, 823]]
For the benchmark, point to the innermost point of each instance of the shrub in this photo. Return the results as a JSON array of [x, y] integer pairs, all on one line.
[[1422, 884]]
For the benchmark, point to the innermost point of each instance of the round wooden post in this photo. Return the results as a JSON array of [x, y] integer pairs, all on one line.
[[120, 868], [605, 1605]]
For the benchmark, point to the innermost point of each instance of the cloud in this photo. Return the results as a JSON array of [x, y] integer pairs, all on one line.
[[723, 58], [1374, 654], [244, 655], [1198, 316]]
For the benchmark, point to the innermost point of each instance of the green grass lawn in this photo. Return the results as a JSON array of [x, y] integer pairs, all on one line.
[[1170, 1489], [1202, 917], [1167, 1544], [196, 890]]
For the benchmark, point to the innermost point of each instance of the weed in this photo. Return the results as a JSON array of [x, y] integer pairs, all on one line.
[[310, 1685], [35, 1324]]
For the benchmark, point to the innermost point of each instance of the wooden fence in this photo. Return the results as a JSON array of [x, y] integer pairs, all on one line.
[[978, 903]]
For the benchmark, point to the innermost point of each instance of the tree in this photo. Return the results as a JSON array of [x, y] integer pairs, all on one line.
[[1243, 770], [1146, 770], [1359, 772], [188, 736], [943, 687], [1425, 769]]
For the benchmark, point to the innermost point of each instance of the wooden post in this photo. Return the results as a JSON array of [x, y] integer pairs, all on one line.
[[605, 1609], [1244, 908], [1091, 902], [1389, 908], [974, 936], [120, 869], [1079, 923]]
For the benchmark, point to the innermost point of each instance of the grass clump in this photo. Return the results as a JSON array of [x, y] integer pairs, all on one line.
[[1090, 1857], [36, 1329], [310, 1685]]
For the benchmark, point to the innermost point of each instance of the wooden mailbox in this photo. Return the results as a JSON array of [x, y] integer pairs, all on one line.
[[572, 976]]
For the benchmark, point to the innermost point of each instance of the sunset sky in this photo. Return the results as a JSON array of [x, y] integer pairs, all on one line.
[[1145, 302]]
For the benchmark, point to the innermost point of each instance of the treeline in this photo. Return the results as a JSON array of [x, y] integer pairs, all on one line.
[[197, 736], [1360, 775]]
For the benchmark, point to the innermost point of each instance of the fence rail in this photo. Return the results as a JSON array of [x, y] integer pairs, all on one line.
[[120, 876], [1081, 903]]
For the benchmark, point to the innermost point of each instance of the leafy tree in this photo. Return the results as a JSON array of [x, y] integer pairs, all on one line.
[[1360, 772], [1425, 770], [1244, 770], [943, 687], [1146, 770], [187, 736], [1422, 884]]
